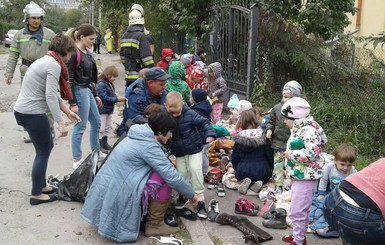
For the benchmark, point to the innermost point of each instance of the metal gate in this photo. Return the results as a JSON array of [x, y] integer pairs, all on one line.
[[233, 43]]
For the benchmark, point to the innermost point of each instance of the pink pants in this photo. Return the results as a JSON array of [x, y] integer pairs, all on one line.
[[302, 192], [217, 112]]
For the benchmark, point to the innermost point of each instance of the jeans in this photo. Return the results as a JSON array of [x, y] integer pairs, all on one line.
[[88, 111], [38, 128], [356, 225]]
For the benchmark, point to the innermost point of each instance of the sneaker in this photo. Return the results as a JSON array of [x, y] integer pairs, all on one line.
[[213, 210], [164, 240], [327, 233], [201, 210], [212, 184], [256, 187], [244, 186], [76, 164], [181, 203], [244, 206], [221, 190], [102, 155]]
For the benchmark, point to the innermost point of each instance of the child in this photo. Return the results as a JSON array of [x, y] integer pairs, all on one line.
[[167, 55], [333, 173], [233, 102], [202, 106], [303, 164], [242, 105], [197, 77], [217, 90], [186, 145], [106, 92], [176, 81], [252, 156], [187, 60], [278, 133]]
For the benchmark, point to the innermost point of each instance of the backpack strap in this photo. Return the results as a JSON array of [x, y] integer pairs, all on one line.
[[78, 57]]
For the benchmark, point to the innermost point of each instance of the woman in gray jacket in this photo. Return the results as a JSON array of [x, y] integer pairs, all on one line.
[[136, 180]]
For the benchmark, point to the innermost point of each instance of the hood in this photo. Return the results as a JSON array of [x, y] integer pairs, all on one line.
[[135, 28], [306, 121], [217, 68], [141, 132], [250, 139], [166, 52], [176, 71]]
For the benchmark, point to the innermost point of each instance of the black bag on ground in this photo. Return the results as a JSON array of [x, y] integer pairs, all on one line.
[[76, 186]]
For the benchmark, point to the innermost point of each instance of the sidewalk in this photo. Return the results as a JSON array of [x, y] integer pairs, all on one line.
[[59, 222]]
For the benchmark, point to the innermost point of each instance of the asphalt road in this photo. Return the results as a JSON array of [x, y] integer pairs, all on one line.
[[59, 222]]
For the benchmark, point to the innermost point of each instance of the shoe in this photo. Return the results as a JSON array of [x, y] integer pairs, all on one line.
[[27, 139], [256, 187], [244, 206], [181, 203], [186, 213], [212, 184], [244, 186], [221, 190], [213, 210], [76, 164], [52, 191], [170, 220], [35, 201], [164, 240], [290, 239], [326, 233], [201, 210], [102, 155], [275, 219]]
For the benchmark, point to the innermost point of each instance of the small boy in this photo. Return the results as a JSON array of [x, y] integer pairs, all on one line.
[[333, 173], [186, 145]]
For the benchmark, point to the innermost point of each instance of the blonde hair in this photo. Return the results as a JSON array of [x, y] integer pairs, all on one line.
[[345, 152], [108, 72], [174, 100]]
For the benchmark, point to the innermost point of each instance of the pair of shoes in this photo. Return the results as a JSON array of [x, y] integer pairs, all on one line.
[[244, 186], [35, 201], [326, 233], [213, 210], [181, 202], [256, 187], [212, 184], [164, 240], [275, 219], [53, 190], [221, 190], [201, 210], [186, 213], [76, 164], [290, 239], [27, 139], [244, 206]]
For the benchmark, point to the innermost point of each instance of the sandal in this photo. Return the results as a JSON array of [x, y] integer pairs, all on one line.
[[221, 190]]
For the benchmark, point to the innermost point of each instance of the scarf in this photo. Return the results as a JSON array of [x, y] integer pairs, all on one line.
[[65, 89]]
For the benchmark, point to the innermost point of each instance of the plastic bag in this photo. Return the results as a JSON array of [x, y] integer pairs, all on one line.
[[76, 186]]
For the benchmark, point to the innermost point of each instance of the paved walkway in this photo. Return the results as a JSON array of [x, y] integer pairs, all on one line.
[[59, 222]]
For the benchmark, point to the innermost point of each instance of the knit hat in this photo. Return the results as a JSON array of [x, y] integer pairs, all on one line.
[[233, 102], [243, 105], [295, 108], [293, 88], [198, 95], [186, 59], [198, 72]]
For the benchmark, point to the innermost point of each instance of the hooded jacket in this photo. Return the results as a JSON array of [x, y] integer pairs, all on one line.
[[113, 202], [163, 63], [106, 93], [252, 156], [280, 131], [176, 82], [218, 87]]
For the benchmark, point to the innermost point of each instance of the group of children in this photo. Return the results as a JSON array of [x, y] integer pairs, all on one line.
[[289, 145]]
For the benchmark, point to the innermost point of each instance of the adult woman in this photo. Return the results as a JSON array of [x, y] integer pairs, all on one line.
[[136, 171], [83, 77], [356, 208], [38, 95]]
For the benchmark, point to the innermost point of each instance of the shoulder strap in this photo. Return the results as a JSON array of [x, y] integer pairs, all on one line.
[[78, 58]]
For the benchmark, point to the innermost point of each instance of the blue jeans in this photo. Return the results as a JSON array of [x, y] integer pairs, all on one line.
[[88, 111], [38, 128], [355, 225]]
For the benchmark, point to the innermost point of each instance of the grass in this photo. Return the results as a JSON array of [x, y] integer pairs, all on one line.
[[3, 50]]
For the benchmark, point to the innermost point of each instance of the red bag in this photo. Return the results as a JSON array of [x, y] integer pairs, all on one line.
[[214, 175]]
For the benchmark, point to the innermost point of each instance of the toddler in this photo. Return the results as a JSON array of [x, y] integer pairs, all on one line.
[[217, 90]]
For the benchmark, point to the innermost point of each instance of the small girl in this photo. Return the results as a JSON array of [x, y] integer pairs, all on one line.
[[197, 77], [252, 156], [167, 55], [303, 163], [106, 92], [217, 90]]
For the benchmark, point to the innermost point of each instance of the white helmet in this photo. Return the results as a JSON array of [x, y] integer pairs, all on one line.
[[135, 17], [32, 10], [138, 7]]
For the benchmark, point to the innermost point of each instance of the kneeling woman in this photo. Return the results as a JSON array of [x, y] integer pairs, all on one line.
[[136, 180]]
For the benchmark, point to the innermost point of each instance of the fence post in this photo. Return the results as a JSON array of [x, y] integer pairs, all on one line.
[[251, 59]]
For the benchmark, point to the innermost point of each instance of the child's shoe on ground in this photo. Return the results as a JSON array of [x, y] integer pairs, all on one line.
[[213, 210], [244, 186], [201, 210], [244, 206]]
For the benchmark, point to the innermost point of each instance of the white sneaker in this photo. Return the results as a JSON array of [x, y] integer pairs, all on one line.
[[76, 164], [164, 240], [102, 155]]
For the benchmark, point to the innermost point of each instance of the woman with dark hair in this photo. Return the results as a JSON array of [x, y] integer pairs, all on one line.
[[136, 181], [83, 78], [39, 94]]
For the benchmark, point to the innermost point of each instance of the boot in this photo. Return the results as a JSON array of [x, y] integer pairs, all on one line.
[[249, 230], [155, 225], [276, 219], [105, 143]]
